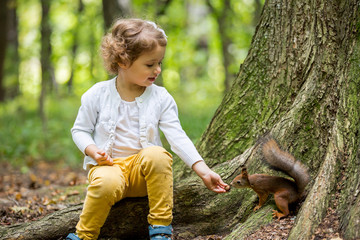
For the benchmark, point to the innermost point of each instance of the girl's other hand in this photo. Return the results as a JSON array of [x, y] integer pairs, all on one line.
[[102, 158], [99, 155]]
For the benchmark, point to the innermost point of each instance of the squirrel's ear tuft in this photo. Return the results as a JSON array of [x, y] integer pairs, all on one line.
[[244, 173]]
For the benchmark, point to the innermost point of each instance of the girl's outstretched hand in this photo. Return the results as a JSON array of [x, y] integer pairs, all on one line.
[[211, 179], [214, 182]]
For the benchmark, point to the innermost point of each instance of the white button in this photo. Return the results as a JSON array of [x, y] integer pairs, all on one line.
[[140, 100]]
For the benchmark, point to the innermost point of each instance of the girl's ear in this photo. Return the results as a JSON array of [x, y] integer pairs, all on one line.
[[122, 65]]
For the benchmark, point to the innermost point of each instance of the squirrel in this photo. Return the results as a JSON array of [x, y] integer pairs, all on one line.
[[285, 190]]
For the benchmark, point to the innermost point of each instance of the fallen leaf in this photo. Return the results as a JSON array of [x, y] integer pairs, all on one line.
[[17, 209], [73, 193], [62, 198], [18, 196]]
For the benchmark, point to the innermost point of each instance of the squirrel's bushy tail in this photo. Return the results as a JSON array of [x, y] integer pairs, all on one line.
[[286, 163]]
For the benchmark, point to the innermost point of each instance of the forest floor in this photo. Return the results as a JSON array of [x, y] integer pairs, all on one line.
[[39, 190]]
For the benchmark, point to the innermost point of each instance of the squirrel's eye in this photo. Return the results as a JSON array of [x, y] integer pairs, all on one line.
[[238, 181]]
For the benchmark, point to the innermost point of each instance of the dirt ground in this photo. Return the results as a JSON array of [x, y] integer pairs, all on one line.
[[36, 191]]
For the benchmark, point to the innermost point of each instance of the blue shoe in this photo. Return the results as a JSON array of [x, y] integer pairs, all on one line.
[[72, 236], [157, 232]]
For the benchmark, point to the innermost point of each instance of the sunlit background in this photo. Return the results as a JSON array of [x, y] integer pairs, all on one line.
[[207, 42]]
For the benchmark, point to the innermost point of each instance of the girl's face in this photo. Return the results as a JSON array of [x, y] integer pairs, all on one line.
[[145, 69]]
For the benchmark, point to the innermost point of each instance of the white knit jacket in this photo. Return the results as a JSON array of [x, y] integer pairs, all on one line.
[[97, 116]]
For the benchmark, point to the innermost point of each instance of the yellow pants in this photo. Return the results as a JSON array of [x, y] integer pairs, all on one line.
[[148, 173]]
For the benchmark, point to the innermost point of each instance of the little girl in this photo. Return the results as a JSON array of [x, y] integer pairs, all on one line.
[[117, 128]]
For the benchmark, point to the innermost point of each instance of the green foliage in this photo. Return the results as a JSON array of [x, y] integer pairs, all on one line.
[[193, 54], [25, 141]]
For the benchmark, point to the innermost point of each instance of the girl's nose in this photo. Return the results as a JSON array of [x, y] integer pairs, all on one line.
[[158, 69]]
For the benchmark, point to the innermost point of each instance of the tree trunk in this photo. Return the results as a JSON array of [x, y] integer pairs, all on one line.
[[3, 36], [300, 83], [12, 61], [223, 18], [113, 9], [75, 46], [59, 224], [47, 71]]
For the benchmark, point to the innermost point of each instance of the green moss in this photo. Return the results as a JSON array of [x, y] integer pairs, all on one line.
[[262, 217]]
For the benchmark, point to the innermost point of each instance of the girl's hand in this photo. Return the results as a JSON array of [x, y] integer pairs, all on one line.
[[211, 179], [214, 182], [99, 155], [102, 158]]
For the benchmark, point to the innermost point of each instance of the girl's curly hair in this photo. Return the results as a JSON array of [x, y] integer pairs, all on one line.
[[127, 40]]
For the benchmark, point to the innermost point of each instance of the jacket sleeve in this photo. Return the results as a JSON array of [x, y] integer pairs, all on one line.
[[82, 131], [170, 125]]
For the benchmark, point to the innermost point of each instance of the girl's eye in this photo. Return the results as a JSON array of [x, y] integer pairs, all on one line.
[[151, 65]]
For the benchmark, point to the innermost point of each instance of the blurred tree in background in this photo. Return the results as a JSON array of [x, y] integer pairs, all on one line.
[[49, 58]]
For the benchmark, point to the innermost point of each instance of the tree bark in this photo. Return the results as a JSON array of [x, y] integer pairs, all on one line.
[[300, 84]]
